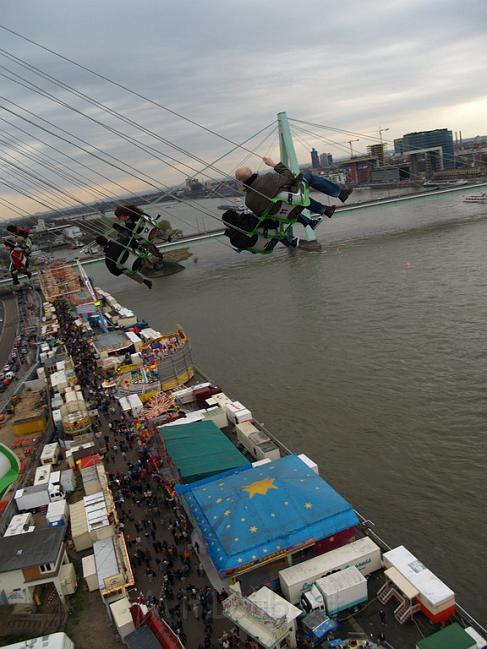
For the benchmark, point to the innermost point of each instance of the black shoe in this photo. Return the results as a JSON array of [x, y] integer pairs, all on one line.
[[345, 193], [329, 210], [148, 283], [294, 243], [315, 222]]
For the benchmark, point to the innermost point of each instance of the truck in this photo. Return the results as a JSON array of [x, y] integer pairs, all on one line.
[[30, 498], [364, 554], [342, 590]]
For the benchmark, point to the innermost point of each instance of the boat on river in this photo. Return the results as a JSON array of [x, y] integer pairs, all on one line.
[[476, 198]]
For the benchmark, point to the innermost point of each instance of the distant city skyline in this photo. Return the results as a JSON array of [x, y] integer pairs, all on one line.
[[395, 66]]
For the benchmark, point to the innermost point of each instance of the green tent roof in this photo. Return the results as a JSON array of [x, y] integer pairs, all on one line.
[[451, 637], [200, 450]]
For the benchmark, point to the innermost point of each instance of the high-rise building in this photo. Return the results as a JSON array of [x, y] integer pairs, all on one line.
[[326, 160], [377, 151], [438, 143], [398, 146], [315, 159]]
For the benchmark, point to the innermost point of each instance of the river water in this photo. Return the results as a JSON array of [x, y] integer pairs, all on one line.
[[369, 356]]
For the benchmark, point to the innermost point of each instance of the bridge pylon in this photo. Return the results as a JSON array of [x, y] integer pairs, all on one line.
[[290, 159]]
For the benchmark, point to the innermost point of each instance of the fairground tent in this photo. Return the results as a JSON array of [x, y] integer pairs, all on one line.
[[248, 516], [200, 450]]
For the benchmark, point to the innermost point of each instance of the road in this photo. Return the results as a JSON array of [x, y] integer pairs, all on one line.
[[8, 328]]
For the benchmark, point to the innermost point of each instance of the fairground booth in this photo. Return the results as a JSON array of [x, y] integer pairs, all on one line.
[[257, 520]]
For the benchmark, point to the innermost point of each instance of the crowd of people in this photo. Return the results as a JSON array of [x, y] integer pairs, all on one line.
[[168, 572]]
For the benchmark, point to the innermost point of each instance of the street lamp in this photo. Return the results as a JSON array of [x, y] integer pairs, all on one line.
[[382, 130], [349, 142]]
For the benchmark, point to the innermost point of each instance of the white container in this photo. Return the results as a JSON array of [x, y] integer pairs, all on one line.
[[243, 431], [243, 415], [217, 415], [89, 572], [261, 462], [309, 463], [261, 447], [364, 554], [57, 418], [343, 590], [122, 617], [50, 453], [219, 399], [57, 511], [185, 395], [135, 404], [42, 474], [124, 404], [20, 524], [435, 595], [68, 480], [55, 477], [235, 407], [32, 497], [479, 640]]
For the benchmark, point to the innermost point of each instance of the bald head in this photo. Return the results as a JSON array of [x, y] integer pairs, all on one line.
[[243, 173]]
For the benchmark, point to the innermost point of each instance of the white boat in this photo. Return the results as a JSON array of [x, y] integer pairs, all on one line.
[[476, 198]]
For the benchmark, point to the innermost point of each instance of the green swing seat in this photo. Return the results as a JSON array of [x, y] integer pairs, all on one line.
[[282, 213]]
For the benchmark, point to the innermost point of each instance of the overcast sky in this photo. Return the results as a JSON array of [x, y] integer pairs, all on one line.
[[357, 65]]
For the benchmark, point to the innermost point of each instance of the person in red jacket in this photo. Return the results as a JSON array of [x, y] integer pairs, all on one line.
[[18, 260]]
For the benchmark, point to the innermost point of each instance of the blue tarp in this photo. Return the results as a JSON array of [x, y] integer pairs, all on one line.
[[247, 516]]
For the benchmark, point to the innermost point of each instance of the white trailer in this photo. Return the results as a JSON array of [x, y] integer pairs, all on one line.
[[50, 453], [57, 513], [20, 524], [43, 474], [32, 497], [343, 589], [364, 554]]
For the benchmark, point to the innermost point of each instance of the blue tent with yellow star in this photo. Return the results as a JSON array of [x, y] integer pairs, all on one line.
[[260, 512]]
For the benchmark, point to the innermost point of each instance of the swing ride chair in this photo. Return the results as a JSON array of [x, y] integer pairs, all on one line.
[[147, 227], [285, 208], [135, 252], [144, 231]]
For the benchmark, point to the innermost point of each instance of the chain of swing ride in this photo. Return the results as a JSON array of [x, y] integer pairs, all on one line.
[[53, 190]]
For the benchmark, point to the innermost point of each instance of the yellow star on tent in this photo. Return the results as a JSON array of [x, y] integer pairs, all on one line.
[[219, 500], [260, 487], [226, 512], [308, 505], [253, 529]]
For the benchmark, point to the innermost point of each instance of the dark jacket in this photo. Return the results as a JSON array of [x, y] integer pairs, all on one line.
[[240, 221], [116, 254], [267, 184]]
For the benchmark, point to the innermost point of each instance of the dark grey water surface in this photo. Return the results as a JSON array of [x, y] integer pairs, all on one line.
[[369, 356]]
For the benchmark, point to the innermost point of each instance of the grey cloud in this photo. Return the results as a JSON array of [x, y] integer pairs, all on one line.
[[232, 67]]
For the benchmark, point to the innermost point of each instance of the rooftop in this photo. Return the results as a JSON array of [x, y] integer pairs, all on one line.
[[32, 549], [251, 514]]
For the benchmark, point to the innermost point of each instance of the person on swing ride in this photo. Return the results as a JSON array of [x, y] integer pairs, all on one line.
[[237, 224], [137, 224], [260, 188], [18, 260], [121, 258], [23, 239]]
